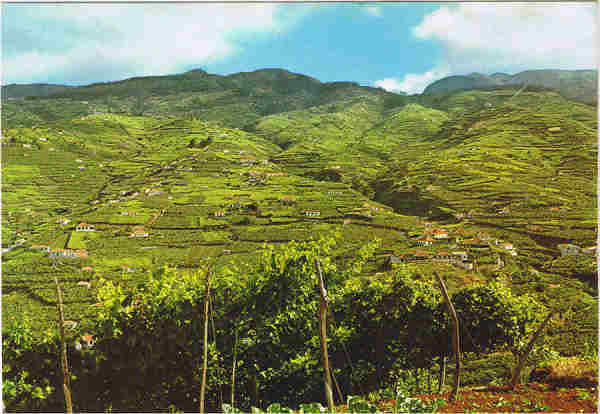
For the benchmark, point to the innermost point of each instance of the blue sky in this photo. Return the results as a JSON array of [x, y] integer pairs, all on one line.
[[398, 46]]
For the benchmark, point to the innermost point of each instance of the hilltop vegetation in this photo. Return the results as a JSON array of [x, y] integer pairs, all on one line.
[[578, 85], [104, 185], [235, 101]]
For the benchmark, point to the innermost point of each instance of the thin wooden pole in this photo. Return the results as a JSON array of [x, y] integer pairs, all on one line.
[[516, 378], [64, 363], [337, 387], [455, 336], [323, 331], [442, 378], [233, 370], [211, 311], [205, 362]]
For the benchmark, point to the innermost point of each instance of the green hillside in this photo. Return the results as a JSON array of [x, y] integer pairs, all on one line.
[[578, 85], [180, 170], [236, 100]]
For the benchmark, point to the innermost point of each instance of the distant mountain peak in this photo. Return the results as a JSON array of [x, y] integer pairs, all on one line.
[[578, 85]]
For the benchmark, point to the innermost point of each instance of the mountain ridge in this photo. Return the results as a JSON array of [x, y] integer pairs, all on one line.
[[578, 85]]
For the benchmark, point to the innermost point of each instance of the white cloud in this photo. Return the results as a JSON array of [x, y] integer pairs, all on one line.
[[411, 83], [373, 11], [119, 40], [389, 84], [508, 37]]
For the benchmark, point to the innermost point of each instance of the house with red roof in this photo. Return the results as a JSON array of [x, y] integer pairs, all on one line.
[[439, 233], [421, 256], [139, 232], [288, 200]]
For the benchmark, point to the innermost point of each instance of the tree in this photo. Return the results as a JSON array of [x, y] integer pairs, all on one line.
[[491, 316], [387, 322], [516, 377]]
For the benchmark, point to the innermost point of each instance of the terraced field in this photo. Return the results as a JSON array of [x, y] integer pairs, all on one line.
[[175, 190]]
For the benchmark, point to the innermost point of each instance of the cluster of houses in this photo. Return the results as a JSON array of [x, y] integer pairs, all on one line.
[[459, 258], [470, 246], [63, 253]]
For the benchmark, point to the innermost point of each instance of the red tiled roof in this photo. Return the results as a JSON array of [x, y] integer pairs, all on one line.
[[425, 238], [422, 253]]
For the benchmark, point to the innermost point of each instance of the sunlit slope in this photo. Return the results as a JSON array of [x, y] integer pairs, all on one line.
[[168, 178], [534, 155]]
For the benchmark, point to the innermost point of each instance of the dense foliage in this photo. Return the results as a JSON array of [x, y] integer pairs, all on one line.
[[148, 347]]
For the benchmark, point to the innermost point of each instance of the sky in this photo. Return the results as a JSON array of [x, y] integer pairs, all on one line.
[[396, 46]]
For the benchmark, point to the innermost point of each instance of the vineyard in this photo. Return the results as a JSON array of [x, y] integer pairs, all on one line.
[[130, 213]]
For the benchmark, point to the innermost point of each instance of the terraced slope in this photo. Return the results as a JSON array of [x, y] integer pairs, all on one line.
[[196, 189], [173, 185]]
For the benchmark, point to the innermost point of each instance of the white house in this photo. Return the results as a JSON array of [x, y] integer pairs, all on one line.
[[85, 227], [439, 234], [569, 250], [139, 232], [507, 246], [424, 241]]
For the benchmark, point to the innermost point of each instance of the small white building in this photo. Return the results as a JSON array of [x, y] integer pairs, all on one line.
[[439, 234], [85, 227], [424, 241], [139, 232], [569, 250], [507, 246]]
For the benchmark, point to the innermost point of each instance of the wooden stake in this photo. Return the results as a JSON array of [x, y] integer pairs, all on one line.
[[442, 377], [205, 362], [455, 336], [64, 363], [233, 370], [323, 331], [516, 378]]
